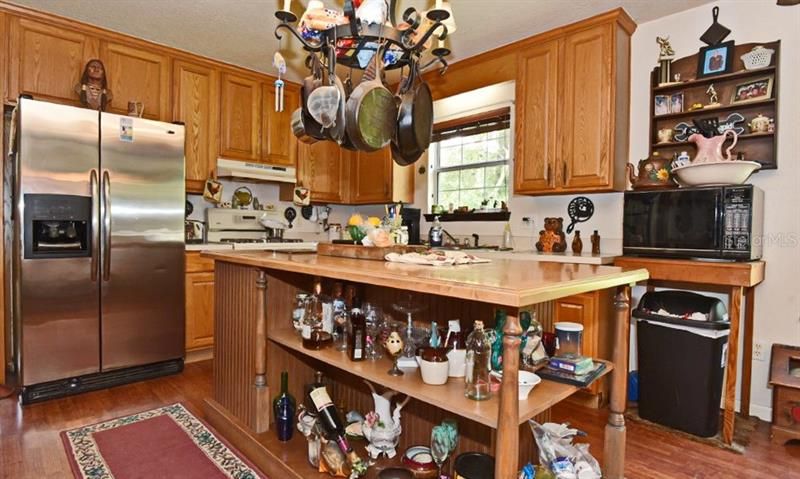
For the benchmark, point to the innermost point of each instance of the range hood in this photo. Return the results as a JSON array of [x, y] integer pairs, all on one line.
[[255, 171]]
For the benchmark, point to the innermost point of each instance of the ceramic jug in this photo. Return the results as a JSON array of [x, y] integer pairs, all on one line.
[[653, 172], [709, 150]]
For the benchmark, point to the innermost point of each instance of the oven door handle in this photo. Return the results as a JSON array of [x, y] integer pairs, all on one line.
[[106, 226], [95, 192]]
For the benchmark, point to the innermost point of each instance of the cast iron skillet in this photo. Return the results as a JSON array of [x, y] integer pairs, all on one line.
[[371, 110], [414, 119], [311, 127]]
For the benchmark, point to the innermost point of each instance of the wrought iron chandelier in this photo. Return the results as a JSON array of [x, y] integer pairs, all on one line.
[[367, 36]]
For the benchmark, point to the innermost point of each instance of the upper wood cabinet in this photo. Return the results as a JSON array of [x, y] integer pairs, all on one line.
[[240, 135], [137, 75], [195, 94], [322, 168], [46, 61], [536, 118], [279, 145], [375, 178], [572, 112]]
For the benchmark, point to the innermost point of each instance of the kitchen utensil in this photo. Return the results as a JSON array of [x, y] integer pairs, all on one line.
[[709, 150], [307, 212], [299, 127], [580, 209], [414, 119], [311, 83], [371, 110], [716, 33], [290, 214], [715, 173], [189, 209], [348, 90], [526, 381]]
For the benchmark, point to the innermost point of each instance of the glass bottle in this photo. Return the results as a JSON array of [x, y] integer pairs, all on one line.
[[435, 233], [313, 332], [341, 318], [479, 351], [299, 311], [283, 409], [319, 382], [358, 336]]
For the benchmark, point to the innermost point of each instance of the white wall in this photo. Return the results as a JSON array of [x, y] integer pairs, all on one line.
[[777, 304]]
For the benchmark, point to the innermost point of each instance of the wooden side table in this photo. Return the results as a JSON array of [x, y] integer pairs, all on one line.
[[738, 280]]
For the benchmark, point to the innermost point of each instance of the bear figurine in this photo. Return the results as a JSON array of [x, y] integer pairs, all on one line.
[[552, 238]]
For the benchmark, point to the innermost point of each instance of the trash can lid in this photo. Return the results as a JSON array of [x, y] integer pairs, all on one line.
[[569, 326]]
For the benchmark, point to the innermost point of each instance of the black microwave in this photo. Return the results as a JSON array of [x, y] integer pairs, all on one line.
[[723, 222]]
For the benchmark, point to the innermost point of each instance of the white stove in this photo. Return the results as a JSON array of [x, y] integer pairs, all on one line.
[[243, 230]]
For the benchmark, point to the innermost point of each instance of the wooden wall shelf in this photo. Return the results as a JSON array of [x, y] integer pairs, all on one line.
[[489, 216], [738, 75], [758, 147], [449, 396]]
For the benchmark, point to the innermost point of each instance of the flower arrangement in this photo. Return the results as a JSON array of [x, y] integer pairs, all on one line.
[[368, 232]]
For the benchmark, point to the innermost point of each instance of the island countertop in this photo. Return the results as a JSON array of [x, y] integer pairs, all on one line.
[[503, 282]]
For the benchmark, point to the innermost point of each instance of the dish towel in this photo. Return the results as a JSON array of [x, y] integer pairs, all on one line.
[[436, 258]]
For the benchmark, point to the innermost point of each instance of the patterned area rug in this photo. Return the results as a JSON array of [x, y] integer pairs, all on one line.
[[168, 442]]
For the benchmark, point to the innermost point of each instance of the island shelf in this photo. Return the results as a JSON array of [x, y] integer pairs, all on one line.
[[254, 342]]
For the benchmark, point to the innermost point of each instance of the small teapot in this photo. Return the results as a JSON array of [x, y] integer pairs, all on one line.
[[759, 124], [709, 150], [654, 172]]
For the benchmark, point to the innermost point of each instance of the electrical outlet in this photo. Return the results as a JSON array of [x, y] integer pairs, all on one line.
[[759, 351]]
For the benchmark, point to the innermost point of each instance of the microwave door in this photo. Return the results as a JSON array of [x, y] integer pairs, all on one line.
[[687, 220]]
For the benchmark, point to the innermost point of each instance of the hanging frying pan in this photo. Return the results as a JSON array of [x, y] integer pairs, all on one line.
[[414, 119], [311, 127], [580, 209], [336, 132], [347, 88], [371, 110]]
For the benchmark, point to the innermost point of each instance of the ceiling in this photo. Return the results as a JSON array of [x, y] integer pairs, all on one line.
[[240, 31]]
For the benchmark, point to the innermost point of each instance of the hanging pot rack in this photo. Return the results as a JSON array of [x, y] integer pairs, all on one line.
[[368, 37]]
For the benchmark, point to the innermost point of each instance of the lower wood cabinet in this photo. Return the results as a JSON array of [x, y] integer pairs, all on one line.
[[199, 302], [594, 311]]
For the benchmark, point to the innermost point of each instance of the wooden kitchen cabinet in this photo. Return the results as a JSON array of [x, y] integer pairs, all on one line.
[[572, 113], [199, 302], [279, 145], [594, 311], [46, 61], [240, 129], [322, 168], [375, 178], [536, 119], [196, 103], [137, 75]]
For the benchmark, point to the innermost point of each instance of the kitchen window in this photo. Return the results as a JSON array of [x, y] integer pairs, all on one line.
[[471, 158]]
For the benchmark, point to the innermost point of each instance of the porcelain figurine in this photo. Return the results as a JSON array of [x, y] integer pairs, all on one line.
[[654, 172], [709, 150], [381, 428], [552, 238], [713, 96], [666, 52]]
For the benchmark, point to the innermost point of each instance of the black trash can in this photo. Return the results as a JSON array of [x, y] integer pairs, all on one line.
[[681, 361]]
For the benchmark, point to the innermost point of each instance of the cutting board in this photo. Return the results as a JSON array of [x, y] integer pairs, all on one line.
[[365, 252]]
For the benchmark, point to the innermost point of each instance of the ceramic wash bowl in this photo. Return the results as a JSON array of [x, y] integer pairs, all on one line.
[[716, 173]]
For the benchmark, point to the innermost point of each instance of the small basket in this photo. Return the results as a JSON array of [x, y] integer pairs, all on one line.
[[758, 57]]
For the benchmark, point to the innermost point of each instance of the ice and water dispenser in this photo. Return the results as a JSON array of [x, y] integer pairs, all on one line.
[[57, 226]]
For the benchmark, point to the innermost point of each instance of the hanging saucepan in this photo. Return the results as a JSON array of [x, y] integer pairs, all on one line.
[[347, 88], [414, 119], [371, 109], [311, 83], [299, 127], [336, 132]]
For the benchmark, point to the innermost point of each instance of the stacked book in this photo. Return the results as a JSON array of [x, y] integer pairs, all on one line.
[[578, 370]]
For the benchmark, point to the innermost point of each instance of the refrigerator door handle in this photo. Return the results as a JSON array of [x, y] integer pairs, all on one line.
[[95, 191], [106, 226]]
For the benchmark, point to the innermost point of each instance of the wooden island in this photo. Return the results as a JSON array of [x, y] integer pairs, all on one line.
[[255, 341]]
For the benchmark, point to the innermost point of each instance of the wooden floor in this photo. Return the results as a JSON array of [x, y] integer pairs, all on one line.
[[30, 446]]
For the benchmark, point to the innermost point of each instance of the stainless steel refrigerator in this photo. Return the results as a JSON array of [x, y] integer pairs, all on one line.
[[98, 249]]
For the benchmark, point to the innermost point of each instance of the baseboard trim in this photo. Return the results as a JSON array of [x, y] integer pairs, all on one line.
[[197, 355]]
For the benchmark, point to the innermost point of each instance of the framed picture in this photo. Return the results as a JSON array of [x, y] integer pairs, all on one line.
[[715, 60], [676, 103], [662, 104], [753, 90]]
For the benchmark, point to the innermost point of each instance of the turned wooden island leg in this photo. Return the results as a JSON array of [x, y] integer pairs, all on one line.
[[260, 382], [507, 447], [614, 447]]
